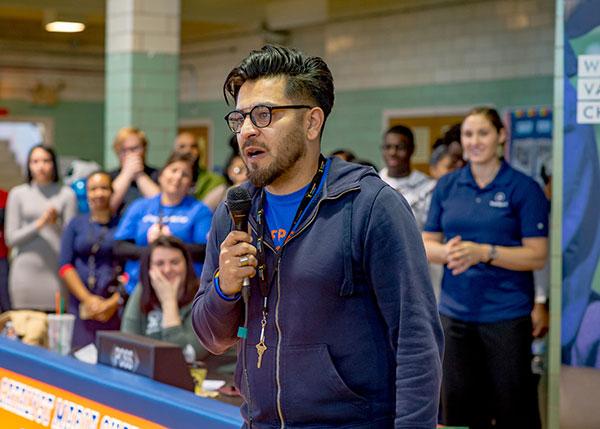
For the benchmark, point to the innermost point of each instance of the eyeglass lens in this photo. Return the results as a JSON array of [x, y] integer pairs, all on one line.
[[259, 115]]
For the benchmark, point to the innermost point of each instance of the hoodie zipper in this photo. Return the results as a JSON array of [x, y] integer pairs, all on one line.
[[277, 268], [277, 361]]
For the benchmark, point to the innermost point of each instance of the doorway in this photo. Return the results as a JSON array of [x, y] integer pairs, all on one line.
[[202, 130]]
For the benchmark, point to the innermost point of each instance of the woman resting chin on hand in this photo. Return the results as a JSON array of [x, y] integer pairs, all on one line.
[[160, 306]]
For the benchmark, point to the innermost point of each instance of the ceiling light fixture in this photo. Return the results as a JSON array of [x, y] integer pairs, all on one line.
[[62, 22], [65, 27]]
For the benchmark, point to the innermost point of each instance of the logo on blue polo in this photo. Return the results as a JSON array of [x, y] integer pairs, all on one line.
[[499, 200]]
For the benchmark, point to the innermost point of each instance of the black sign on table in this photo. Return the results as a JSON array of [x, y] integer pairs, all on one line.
[[159, 360]]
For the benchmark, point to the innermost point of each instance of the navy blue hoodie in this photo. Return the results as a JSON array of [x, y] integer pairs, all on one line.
[[353, 335]]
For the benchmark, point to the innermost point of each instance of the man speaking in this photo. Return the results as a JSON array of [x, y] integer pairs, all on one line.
[[340, 327]]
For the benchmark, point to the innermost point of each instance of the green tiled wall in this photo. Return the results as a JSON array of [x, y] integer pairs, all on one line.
[[356, 121], [142, 91]]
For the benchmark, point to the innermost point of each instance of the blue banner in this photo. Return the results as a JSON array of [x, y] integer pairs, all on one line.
[[529, 145], [581, 186]]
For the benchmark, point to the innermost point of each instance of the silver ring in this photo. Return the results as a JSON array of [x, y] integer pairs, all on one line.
[[244, 261]]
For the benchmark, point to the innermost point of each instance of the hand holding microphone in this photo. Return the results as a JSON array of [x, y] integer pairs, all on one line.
[[237, 259]]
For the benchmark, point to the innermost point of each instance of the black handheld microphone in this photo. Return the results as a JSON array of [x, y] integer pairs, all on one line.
[[239, 203]]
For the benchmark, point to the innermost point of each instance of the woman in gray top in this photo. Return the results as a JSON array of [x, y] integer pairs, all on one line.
[[36, 213], [161, 305]]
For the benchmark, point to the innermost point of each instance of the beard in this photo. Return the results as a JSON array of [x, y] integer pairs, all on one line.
[[291, 148]]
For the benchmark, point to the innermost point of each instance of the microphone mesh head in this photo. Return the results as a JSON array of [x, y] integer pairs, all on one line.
[[238, 199]]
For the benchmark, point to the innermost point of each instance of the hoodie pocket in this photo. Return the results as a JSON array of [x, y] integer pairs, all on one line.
[[311, 387]]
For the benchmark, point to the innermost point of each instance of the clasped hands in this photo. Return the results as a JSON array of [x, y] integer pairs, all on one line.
[[133, 166], [156, 230], [461, 255], [100, 309], [49, 217]]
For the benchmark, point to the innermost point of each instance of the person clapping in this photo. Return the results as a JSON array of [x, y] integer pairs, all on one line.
[[134, 178], [36, 213]]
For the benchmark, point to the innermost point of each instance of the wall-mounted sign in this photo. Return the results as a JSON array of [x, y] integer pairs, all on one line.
[[588, 89]]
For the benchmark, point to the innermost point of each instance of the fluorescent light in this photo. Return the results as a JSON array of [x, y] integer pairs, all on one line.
[[65, 27]]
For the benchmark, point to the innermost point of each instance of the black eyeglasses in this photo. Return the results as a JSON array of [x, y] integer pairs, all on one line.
[[260, 116]]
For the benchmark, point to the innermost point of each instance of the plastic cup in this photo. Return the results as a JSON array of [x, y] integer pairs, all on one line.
[[60, 332]]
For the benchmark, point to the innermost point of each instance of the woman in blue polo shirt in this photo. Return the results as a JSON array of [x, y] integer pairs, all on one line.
[[488, 225]]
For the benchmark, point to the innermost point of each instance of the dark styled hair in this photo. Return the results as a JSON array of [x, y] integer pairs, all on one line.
[[403, 131], [52, 154], [149, 300], [490, 114], [308, 78]]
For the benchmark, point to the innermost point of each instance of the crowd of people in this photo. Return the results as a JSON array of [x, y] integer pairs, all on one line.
[[135, 260], [93, 258]]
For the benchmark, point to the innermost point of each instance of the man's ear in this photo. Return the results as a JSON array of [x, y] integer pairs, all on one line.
[[314, 123]]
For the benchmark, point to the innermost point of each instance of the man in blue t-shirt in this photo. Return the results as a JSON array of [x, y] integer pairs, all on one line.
[[281, 210], [324, 337]]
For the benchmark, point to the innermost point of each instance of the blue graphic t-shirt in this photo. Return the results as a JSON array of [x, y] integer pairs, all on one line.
[[280, 211], [189, 221]]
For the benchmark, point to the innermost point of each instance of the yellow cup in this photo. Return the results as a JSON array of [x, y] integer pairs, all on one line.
[[198, 373]]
